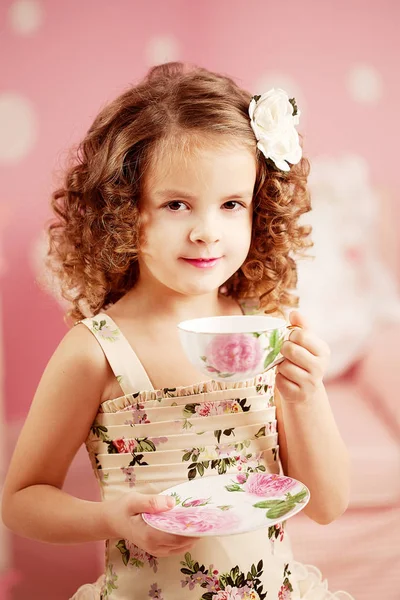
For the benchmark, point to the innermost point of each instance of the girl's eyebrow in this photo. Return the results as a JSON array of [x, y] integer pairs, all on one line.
[[180, 194]]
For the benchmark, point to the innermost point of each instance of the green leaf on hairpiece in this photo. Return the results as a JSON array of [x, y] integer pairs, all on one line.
[[293, 103], [257, 97]]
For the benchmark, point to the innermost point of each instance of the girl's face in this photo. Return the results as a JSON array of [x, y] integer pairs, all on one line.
[[197, 218]]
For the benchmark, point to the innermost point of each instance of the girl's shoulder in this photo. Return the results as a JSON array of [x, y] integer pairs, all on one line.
[[80, 350]]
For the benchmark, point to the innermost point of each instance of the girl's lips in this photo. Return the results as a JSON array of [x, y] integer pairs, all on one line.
[[202, 263]]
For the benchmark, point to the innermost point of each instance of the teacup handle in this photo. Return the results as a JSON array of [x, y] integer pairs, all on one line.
[[277, 361]]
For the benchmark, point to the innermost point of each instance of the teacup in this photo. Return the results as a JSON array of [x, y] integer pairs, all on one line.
[[233, 348]]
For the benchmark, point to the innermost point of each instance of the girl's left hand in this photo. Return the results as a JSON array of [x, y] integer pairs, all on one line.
[[300, 375]]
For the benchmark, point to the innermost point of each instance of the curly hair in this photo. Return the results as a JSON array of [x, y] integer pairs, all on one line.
[[94, 238]]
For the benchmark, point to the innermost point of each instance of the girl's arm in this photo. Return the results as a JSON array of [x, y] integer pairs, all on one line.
[[59, 420], [312, 451], [311, 448]]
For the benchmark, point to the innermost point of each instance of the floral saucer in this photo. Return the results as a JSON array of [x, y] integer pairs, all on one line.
[[230, 504]]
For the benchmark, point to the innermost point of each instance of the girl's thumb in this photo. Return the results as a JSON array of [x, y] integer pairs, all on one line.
[[151, 503]]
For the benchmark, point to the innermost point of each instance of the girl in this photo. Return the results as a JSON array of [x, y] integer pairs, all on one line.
[[184, 202]]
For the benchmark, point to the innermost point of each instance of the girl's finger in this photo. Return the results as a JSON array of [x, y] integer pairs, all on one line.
[[285, 386], [293, 373], [184, 548], [296, 318], [150, 503], [170, 540], [309, 341], [181, 541], [301, 357]]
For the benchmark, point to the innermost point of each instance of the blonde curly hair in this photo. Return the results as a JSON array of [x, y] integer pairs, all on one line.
[[94, 238]]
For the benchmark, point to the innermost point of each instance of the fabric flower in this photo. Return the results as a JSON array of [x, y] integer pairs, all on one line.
[[229, 593], [284, 593], [234, 353], [205, 409], [155, 592], [123, 445], [248, 594], [130, 476], [234, 593], [208, 409], [273, 117]]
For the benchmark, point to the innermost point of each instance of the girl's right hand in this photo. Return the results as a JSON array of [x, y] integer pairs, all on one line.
[[123, 517]]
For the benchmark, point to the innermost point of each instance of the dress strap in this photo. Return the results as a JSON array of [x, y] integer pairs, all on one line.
[[122, 358], [249, 306]]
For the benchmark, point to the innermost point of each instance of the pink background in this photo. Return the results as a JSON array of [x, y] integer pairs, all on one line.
[[82, 54]]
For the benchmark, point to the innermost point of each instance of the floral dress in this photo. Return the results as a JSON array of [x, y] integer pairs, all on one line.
[[149, 440]]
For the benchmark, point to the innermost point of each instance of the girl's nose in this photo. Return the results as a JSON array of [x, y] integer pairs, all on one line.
[[205, 231]]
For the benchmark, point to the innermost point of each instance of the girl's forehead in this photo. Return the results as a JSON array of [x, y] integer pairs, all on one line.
[[213, 163]]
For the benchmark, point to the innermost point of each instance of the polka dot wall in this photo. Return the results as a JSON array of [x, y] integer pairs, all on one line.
[[61, 61]]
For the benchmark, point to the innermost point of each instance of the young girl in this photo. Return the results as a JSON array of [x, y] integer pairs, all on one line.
[[184, 202]]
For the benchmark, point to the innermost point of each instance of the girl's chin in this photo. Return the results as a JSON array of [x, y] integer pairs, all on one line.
[[198, 288]]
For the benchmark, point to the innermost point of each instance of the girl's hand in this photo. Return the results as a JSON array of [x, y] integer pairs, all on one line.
[[123, 517], [300, 375]]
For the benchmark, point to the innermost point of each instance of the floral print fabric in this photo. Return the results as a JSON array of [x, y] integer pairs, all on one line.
[[148, 440]]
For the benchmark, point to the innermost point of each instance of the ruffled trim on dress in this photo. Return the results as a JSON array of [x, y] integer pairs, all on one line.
[[90, 591], [116, 404], [308, 578], [312, 586]]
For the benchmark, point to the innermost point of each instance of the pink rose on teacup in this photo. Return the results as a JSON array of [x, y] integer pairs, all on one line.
[[263, 484], [234, 353], [192, 520]]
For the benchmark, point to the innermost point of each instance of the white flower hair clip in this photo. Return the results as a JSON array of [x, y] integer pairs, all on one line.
[[273, 117]]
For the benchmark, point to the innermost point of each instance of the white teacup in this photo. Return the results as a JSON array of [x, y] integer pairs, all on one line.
[[233, 348]]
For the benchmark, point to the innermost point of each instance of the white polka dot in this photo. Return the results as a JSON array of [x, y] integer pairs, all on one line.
[[364, 84], [266, 82], [25, 16], [18, 126], [161, 49]]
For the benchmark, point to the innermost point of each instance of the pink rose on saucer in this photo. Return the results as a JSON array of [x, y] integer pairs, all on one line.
[[234, 353], [192, 520], [264, 484], [195, 502]]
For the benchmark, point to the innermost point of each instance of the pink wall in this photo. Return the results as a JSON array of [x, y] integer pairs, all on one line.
[[81, 54]]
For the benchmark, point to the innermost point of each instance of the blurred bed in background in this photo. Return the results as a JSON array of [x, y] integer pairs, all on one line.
[[351, 298]]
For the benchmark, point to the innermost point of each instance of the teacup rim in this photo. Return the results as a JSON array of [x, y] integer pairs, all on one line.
[[182, 326]]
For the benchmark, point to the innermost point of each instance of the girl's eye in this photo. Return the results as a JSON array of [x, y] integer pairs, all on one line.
[[232, 205], [176, 206]]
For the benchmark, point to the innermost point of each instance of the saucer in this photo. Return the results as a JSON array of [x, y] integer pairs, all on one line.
[[230, 504]]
